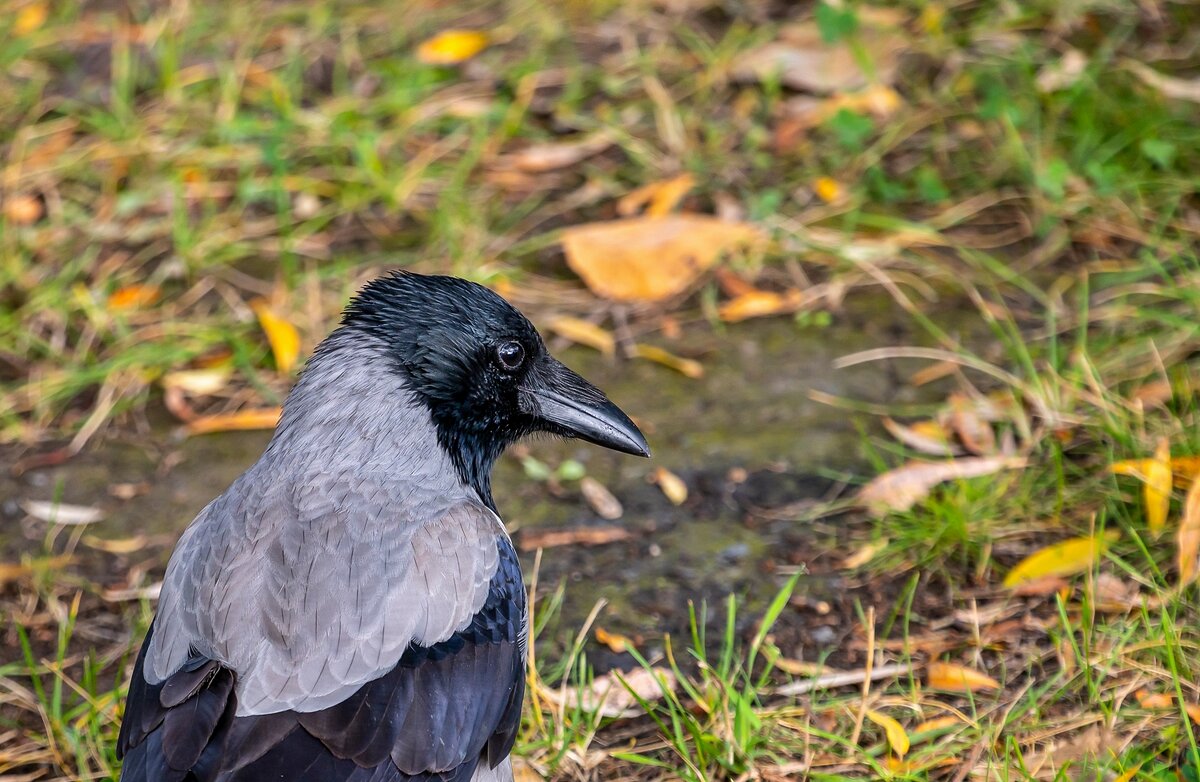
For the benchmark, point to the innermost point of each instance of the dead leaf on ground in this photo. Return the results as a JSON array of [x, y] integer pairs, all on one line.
[[538, 158], [1188, 538], [450, 47], [116, 545], [1170, 86], [1067, 558], [1184, 469], [533, 539], [672, 485], [802, 60], [927, 437], [150, 592], [975, 433], [62, 513], [959, 678], [685, 366], [1113, 595], [22, 209], [658, 198], [601, 500], [803, 112], [649, 258], [1157, 488], [1154, 700], [760, 304], [30, 18], [1063, 72], [133, 297], [244, 420], [17, 571], [896, 737], [582, 332], [609, 695], [282, 336], [614, 641], [903, 487], [199, 382], [864, 554]]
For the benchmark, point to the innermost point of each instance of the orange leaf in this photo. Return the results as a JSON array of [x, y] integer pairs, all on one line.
[[30, 18], [959, 678], [758, 304], [662, 197], [22, 209], [584, 333], [1188, 540], [1154, 700], [284, 339], [937, 724], [1193, 711], [671, 484], [649, 259], [263, 418], [133, 297], [827, 189], [896, 736], [452, 46], [684, 366], [1157, 490], [618, 643], [903, 487]]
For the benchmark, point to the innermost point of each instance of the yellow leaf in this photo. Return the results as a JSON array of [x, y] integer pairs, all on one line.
[[903, 487], [284, 339], [452, 46], [650, 259], [199, 382], [116, 545], [22, 209], [264, 418], [684, 366], [1183, 469], [1131, 773], [896, 736], [1157, 490], [662, 196], [30, 18], [1067, 558], [671, 484], [827, 189], [937, 724], [1188, 540], [759, 304], [959, 678], [584, 333], [133, 297], [618, 643]]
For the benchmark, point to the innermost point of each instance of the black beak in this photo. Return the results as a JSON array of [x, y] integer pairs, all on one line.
[[565, 403]]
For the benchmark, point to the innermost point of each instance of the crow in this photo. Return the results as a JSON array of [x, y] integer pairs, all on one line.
[[351, 608]]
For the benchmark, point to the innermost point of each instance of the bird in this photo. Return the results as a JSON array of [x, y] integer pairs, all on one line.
[[351, 608]]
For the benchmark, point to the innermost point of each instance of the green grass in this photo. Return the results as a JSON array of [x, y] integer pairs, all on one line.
[[218, 154]]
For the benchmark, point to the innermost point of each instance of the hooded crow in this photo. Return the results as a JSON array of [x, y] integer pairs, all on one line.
[[351, 608]]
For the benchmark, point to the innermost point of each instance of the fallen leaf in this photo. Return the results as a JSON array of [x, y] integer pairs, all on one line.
[[802, 112], [927, 437], [600, 498], [618, 643], [22, 209], [1170, 86], [117, 545], [539, 158], [799, 667], [731, 283], [199, 382], [1113, 595], [1067, 558], [648, 258], [17, 571], [1193, 711], [584, 333], [671, 484], [759, 304], [61, 513], [609, 695], [533, 539], [1155, 700], [827, 189], [959, 678], [524, 772], [133, 297], [937, 724], [150, 592], [1063, 72], [127, 491], [802, 60], [903, 487], [864, 554], [1041, 587], [282, 335], [259, 418], [1157, 489], [897, 738], [684, 366], [452, 46], [1188, 539], [658, 198], [976, 434], [31, 17], [1130, 774]]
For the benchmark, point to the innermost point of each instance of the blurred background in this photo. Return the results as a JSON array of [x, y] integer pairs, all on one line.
[[903, 294]]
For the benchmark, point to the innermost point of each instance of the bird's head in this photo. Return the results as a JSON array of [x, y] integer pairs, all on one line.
[[483, 371]]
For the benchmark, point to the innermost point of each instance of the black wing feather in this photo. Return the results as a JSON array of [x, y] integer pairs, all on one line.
[[435, 716]]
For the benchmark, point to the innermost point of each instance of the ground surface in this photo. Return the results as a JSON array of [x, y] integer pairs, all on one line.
[[987, 210]]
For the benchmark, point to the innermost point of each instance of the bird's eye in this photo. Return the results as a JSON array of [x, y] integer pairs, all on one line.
[[510, 355]]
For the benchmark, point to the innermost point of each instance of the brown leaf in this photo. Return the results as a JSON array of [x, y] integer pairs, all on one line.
[[684, 366], [803, 60], [671, 484], [199, 382], [533, 539], [22, 209], [584, 333], [618, 643], [973, 431], [18, 571], [659, 198], [600, 498], [959, 678], [1188, 538], [1155, 700], [760, 304], [928, 437], [540, 158], [650, 259], [864, 554], [116, 545], [903, 487], [262, 418], [1170, 86], [609, 695]]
